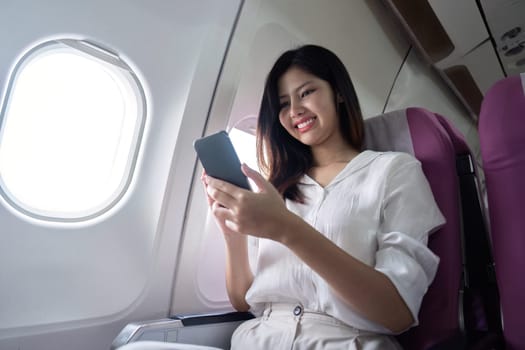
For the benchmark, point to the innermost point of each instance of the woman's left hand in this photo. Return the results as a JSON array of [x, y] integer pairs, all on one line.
[[259, 213]]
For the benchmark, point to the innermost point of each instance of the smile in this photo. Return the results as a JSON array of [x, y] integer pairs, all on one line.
[[303, 124]]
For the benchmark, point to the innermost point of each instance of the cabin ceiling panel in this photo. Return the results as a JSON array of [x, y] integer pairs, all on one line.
[[346, 27], [452, 36], [506, 20]]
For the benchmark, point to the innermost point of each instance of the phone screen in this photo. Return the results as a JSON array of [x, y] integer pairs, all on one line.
[[219, 159]]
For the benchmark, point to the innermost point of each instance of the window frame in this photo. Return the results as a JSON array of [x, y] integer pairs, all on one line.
[[110, 60]]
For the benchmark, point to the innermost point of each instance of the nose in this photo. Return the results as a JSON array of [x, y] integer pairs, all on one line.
[[296, 108]]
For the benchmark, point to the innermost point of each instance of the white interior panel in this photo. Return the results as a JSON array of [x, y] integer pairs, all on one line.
[[420, 86], [483, 65], [118, 266], [463, 23]]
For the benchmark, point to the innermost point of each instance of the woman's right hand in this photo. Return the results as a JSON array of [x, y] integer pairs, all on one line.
[[228, 233]]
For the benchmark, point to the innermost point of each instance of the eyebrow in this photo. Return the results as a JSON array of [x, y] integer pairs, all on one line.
[[298, 88]]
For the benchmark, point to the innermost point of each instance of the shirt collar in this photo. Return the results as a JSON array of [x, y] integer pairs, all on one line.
[[358, 162]]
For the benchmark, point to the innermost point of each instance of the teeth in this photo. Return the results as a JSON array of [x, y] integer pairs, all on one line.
[[303, 124]]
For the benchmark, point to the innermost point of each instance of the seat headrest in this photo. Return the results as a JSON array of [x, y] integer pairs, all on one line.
[[389, 132], [414, 130], [501, 123]]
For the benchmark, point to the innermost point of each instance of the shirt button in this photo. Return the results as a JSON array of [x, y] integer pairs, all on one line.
[[297, 310]]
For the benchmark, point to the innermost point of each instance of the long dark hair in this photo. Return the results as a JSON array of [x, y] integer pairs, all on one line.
[[280, 156]]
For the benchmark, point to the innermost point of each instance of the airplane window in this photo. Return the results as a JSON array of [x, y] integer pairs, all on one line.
[[71, 122], [244, 144], [242, 136]]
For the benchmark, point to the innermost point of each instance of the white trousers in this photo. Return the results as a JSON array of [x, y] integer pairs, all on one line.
[[289, 326]]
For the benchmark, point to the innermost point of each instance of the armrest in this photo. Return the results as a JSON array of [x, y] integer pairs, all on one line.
[[157, 345], [196, 320], [209, 330]]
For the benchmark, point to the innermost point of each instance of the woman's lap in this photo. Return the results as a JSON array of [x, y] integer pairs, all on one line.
[[288, 326]]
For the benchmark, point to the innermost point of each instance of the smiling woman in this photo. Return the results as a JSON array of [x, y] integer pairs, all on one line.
[[336, 258], [71, 128]]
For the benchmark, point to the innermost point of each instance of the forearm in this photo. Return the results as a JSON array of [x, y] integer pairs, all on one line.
[[239, 276], [367, 290]]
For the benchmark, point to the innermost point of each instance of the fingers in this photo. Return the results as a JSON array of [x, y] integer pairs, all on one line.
[[204, 181], [257, 178], [219, 201], [230, 203], [222, 192], [224, 218]]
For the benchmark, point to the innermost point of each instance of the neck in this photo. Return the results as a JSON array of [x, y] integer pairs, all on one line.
[[324, 156]]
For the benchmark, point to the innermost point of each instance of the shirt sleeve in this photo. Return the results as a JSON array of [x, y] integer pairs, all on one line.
[[409, 215]]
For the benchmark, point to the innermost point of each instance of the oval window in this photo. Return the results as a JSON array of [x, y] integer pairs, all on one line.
[[71, 123]]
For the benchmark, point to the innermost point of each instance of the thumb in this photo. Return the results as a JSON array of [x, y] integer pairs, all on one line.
[[257, 178]]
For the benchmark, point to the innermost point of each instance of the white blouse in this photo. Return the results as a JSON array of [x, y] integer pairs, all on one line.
[[379, 209]]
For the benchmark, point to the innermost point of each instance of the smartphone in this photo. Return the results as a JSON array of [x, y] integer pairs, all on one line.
[[219, 159]]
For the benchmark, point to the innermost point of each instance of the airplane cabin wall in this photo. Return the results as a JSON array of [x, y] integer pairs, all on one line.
[[75, 285]]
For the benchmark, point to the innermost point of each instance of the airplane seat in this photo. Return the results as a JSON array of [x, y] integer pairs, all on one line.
[[501, 129], [418, 132], [439, 147]]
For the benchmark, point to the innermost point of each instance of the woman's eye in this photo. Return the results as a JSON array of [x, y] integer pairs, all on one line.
[[283, 104], [307, 92]]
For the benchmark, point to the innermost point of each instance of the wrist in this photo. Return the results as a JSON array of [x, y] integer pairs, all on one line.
[[290, 229], [235, 240]]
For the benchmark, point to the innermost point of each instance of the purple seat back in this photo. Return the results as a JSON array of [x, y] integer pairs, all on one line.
[[432, 140], [502, 140]]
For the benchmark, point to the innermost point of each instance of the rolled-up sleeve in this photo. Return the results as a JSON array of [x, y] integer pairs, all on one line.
[[409, 215]]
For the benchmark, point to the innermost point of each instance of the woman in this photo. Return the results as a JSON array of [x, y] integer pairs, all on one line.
[[341, 260]]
